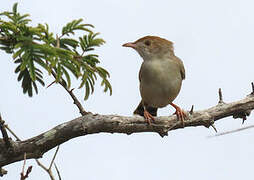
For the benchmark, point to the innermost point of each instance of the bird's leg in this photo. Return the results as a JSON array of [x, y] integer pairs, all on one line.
[[179, 113], [148, 116]]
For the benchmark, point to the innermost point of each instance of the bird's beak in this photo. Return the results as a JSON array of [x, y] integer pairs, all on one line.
[[132, 45]]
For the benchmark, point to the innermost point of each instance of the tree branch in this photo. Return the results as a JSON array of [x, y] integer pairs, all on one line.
[[4, 133], [93, 123]]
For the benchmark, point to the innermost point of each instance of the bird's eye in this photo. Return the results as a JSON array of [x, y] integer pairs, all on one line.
[[147, 43]]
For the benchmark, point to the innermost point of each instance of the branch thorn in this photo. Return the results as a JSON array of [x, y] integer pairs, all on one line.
[[220, 96], [191, 111], [244, 119], [213, 126], [252, 85]]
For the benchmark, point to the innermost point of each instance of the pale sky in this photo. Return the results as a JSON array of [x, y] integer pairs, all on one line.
[[215, 41]]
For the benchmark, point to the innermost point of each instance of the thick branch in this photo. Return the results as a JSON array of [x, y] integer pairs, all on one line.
[[92, 123]]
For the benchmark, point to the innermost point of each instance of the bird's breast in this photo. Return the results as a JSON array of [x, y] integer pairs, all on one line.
[[160, 82]]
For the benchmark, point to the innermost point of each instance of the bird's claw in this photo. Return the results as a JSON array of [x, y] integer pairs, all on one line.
[[179, 113], [148, 117]]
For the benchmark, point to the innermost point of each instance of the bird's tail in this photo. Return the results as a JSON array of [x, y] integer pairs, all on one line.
[[140, 110]]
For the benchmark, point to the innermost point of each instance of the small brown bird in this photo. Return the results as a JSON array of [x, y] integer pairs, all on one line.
[[160, 76]]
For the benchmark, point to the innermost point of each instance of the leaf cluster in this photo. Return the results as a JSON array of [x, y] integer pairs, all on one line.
[[35, 49]]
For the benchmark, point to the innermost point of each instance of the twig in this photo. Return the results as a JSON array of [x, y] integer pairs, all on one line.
[[29, 169], [23, 168], [53, 159], [46, 169], [232, 131], [51, 84], [58, 173], [7, 127], [4, 133], [41, 165], [49, 169], [2, 172]]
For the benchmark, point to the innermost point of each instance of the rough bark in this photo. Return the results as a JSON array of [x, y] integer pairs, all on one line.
[[35, 147]]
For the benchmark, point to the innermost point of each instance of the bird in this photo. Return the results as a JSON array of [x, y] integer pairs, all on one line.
[[160, 76]]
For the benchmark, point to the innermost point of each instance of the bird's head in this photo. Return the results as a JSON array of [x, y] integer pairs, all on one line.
[[152, 47]]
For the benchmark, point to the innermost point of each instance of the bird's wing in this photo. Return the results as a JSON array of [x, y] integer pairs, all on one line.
[[139, 75], [140, 110], [181, 66]]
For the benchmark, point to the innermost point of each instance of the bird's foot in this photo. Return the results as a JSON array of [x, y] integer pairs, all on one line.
[[179, 113], [148, 117]]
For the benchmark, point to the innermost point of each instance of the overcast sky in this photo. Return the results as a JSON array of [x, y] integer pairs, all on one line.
[[215, 41]]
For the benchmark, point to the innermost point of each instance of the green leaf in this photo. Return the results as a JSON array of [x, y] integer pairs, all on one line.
[[41, 81], [84, 78], [21, 74], [27, 83], [109, 87], [14, 8], [75, 25], [71, 67], [35, 87], [30, 90], [58, 72], [22, 20], [67, 76], [31, 69], [103, 71], [17, 53], [89, 42], [65, 42], [42, 64], [87, 92], [91, 83], [25, 59]]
